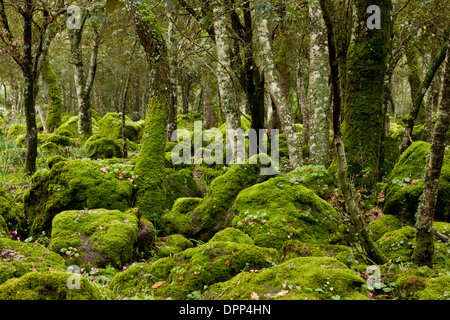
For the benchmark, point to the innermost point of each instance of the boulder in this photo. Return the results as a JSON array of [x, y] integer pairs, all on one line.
[[185, 205], [99, 147], [385, 223], [316, 178], [110, 126]]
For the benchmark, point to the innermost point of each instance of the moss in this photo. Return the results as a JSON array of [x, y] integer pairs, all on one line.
[[175, 223], [11, 212], [15, 130], [98, 147], [442, 227], [110, 126], [19, 258], [69, 128], [150, 165], [185, 205], [4, 232], [404, 185], [175, 243], [51, 149], [146, 239], [386, 223], [60, 140], [406, 287], [54, 113], [277, 210], [303, 278], [295, 248], [232, 235], [316, 178], [180, 184], [214, 212], [436, 289], [49, 285], [100, 236], [72, 185], [54, 160], [398, 245]]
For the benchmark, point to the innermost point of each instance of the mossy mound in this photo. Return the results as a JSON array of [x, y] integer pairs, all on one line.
[[386, 223], [15, 130], [398, 245], [295, 248], [50, 149], [173, 223], [110, 126], [232, 235], [278, 210], [54, 160], [18, 258], [50, 285], [180, 184], [316, 178], [185, 205], [436, 289], [69, 127], [405, 184], [60, 140], [99, 147], [303, 278], [11, 211], [72, 185], [4, 231], [215, 212], [174, 243], [98, 237]]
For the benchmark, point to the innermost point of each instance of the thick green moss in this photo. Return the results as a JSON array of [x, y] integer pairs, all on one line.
[[295, 248], [72, 185], [50, 149], [69, 128], [174, 223], [18, 258], [110, 126], [54, 113], [50, 285], [436, 289], [54, 160], [316, 178], [277, 210], [232, 235], [180, 184], [214, 212], [60, 140], [406, 286], [303, 278], [99, 147], [15, 130], [398, 245], [4, 232], [11, 211], [404, 185], [175, 243], [386, 223], [185, 205], [100, 236]]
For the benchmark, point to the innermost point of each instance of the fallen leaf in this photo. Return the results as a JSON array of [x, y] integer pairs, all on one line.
[[227, 262], [254, 296], [284, 284], [158, 284], [104, 170]]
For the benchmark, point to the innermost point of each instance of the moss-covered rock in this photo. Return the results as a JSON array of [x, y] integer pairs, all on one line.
[[303, 278], [406, 286], [11, 212], [436, 289], [60, 140], [18, 258], [50, 285], [4, 232], [185, 205], [50, 149], [277, 210], [215, 212], [405, 184], [110, 126], [174, 223], [54, 160], [146, 238], [386, 223], [72, 185], [295, 248], [180, 184], [232, 235], [398, 245], [68, 128], [316, 178], [98, 237], [174, 243], [15, 130], [99, 147]]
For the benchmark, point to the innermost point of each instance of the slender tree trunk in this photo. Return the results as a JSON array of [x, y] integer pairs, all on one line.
[[412, 62], [371, 249], [303, 103], [424, 247], [224, 80], [319, 143], [173, 64], [438, 59], [54, 114], [208, 112], [283, 109]]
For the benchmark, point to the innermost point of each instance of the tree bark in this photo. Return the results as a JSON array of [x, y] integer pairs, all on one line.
[[173, 65], [424, 247], [414, 79], [372, 251], [304, 107], [283, 109], [54, 114]]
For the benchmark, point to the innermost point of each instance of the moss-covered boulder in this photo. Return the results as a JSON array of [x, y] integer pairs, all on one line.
[[436, 289], [72, 185], [405, 184], [110, 126], [295, 248], [60, 140], [180, 184], [174, 243], [68, 128], [398, 245], [50, 149], [303, 278], [50, 285], [185, 205], [99, 147], [386, 223], [215, 212], [18, 258], [15, 130], [54, 160], [11, 212], [232, 235], [95, 238], [316, 178], [278, 210], [174, 223]]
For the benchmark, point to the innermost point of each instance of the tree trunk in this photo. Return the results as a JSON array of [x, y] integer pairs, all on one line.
[[283, 109], [173, 63], [372, 251], [363, 110], [412, 62], [208, 112], [304, 107], [224, 79], [319, 140], [54, 114], [438, 59], [424, 247]]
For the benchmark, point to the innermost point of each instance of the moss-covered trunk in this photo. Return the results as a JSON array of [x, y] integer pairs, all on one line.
[[363, 109], [54, 113], [151, 190], [424, 248]]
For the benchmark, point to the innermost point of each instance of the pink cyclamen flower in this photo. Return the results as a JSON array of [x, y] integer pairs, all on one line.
[[14, 232], [371, 294], [18, 238], [124, 268]]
